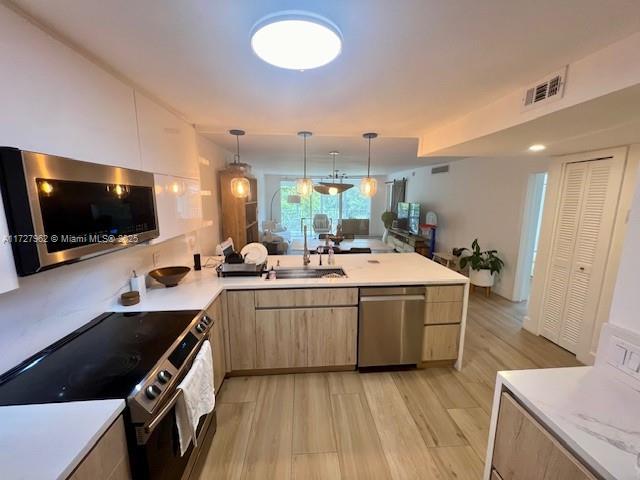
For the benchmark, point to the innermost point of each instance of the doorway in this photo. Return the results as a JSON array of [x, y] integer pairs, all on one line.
[[530, 235]]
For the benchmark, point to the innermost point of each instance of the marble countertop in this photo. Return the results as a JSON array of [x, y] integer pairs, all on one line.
[[199, 289], [592, 413], [50, 440]]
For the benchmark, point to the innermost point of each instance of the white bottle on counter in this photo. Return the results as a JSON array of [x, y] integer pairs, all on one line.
[[138, 284]]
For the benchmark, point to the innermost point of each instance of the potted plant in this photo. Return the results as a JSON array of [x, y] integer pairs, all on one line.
[[387, 219], [483, 266]]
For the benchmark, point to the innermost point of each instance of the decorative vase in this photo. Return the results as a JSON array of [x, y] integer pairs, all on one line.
[[481, 278], [385, 235]]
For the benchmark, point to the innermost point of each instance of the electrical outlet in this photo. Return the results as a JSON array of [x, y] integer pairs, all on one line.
[[156, 259], [624, 356]]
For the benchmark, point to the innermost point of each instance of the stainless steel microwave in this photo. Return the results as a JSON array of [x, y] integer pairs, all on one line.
[[61, 210]]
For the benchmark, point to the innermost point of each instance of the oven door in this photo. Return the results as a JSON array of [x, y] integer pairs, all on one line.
[[157, 451]]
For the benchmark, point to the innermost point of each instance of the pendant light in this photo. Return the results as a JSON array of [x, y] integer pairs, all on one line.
[[333, 187], [304, 185], [240, 186], [369, 185]]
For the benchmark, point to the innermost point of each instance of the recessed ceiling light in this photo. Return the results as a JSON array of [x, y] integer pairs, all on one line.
[[537, 147], [296, 40]]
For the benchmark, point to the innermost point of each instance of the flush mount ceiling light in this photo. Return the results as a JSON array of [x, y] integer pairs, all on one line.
[[537, 147], [296, 40]]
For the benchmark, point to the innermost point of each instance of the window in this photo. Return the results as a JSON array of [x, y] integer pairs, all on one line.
[[349, 204]]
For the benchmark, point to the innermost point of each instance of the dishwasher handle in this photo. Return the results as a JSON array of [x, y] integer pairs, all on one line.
[[392, 298]]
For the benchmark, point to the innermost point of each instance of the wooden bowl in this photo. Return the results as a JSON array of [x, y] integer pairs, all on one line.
[[169, 276]]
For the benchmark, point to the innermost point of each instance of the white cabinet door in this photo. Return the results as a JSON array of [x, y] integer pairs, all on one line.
[[55, 101], [167, 144], [179, 206], [581, 242], [8, 276]]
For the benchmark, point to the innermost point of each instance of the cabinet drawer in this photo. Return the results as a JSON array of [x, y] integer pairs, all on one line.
[[306, 297], [445, 293], [525, 450], [440, 342], [443, 312]]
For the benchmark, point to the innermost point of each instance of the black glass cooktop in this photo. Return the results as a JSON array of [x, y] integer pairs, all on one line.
[[104, 359]]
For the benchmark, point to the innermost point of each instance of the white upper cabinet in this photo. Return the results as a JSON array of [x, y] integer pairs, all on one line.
[[178, 204], [57, 102], [167, 143]]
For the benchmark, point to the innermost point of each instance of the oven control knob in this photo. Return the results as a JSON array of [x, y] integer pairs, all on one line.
[[201, 327], [206, 320], [164, 376], [152, 391]]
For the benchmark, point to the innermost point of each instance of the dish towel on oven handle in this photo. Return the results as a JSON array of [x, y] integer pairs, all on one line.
[[197, 397]]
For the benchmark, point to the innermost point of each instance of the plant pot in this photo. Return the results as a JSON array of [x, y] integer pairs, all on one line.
[[481, 278]]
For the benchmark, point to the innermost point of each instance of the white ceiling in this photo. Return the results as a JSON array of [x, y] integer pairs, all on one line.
[[607, 121], [406, 66]]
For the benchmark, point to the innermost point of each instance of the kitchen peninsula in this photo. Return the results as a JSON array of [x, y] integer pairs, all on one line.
[[254, 307]]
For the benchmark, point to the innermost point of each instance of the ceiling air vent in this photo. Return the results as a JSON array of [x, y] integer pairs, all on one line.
[[545, 91], [441, 169]]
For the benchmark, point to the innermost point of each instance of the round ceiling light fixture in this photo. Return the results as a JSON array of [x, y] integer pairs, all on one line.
[[296, 40]]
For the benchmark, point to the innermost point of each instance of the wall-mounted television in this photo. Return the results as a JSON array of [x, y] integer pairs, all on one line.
[[409, 217]]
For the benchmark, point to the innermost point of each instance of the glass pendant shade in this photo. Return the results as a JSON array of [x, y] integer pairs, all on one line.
[[368, 186], [240, 187], [333, 191], [304, 186]]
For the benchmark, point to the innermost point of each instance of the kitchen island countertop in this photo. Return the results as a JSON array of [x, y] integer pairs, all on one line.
[[50, 440], [199, 289]]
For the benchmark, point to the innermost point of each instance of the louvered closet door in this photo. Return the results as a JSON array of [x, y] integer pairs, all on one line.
[[586, 213]]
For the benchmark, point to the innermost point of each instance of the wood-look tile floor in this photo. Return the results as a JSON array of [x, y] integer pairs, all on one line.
[[418, 424]]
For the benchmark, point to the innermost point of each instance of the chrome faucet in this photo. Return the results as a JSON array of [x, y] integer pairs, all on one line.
[[306, 259]]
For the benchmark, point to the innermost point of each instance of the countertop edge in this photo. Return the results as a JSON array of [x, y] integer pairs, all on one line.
[[77, 460]]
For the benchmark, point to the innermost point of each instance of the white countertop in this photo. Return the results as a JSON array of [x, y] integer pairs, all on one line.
[[594, 414], [198, 289], [48, 441]]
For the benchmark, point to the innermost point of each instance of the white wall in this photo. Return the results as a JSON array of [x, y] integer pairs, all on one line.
[[56, 101], [625, 308], [212, 159], [479, 198]]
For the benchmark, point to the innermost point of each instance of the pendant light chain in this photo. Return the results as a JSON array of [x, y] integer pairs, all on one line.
[[237, 148], [305, 156]]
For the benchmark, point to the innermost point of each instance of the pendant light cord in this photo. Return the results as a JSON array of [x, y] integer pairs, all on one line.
[[305, 156], [369, 160], [237, 149]]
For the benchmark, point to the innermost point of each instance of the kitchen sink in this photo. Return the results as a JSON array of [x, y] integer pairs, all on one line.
[[284, 273]]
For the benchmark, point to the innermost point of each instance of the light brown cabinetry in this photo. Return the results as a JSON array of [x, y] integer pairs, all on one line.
[[440, 342], [281, 338], [525, 450], [306, 297], [294, 329], [217, 336], [331, 336], [108, 459], [443, 316], [242, 329]]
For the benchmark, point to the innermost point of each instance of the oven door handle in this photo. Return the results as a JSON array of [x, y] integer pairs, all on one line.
[[150, 427]]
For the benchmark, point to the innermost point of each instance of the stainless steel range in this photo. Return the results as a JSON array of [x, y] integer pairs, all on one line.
[[140, 357]]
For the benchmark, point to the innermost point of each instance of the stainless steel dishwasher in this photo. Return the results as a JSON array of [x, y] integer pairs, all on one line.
[[390, 326]]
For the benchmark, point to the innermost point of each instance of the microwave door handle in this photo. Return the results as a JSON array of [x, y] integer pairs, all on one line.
[[151, 426]]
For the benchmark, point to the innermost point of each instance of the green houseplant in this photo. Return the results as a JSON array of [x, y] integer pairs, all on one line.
[[387, 218], [483, 265]]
